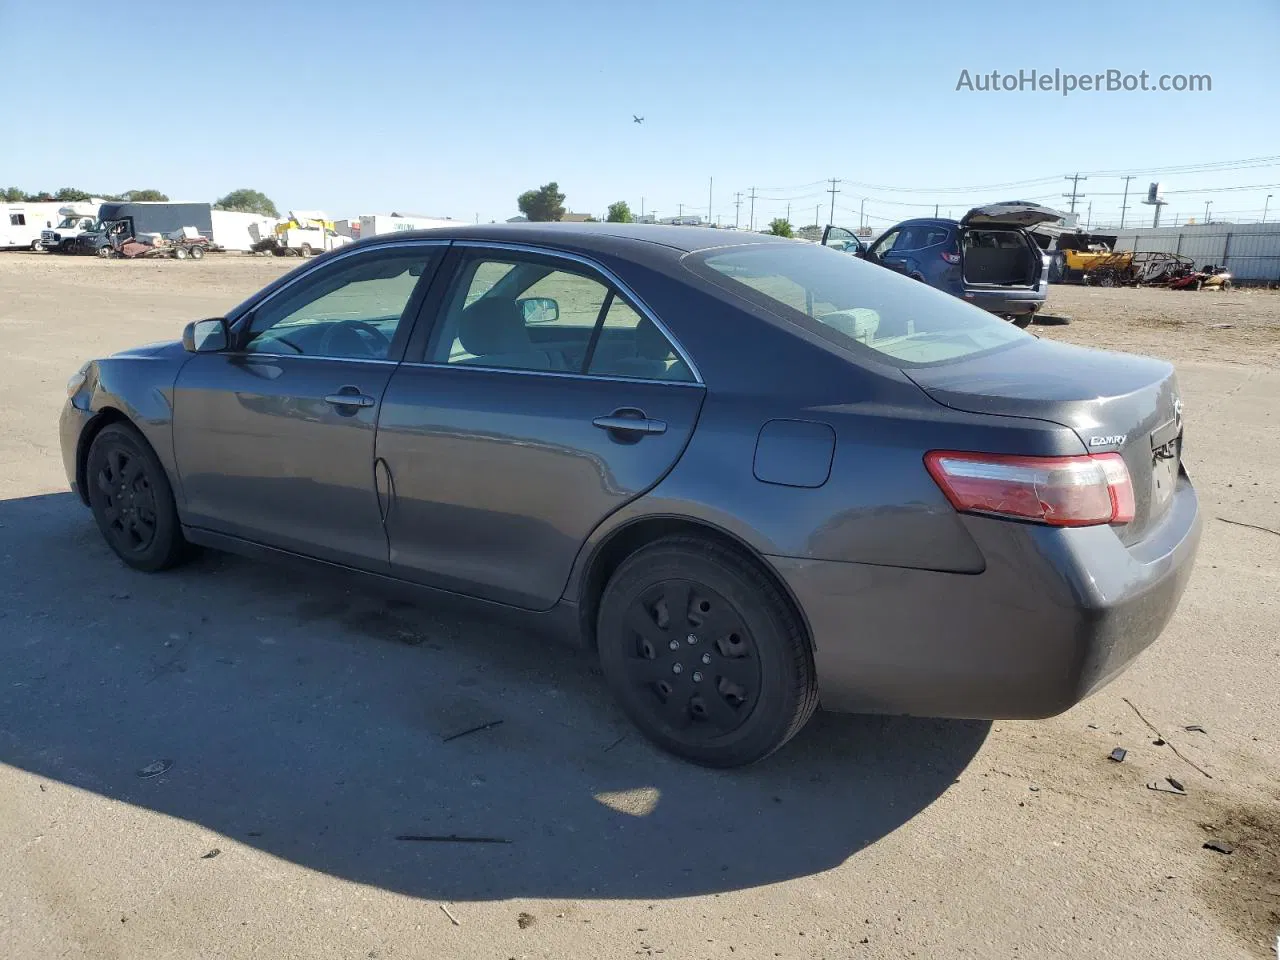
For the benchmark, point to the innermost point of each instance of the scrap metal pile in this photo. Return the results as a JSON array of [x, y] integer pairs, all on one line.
[[1154, 269]]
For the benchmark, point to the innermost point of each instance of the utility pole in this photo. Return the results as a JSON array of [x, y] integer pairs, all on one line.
[[642, 206], [788, 211], [1075, 193], [935, 211], [711, 184], [679, 209], [751, 220], [1124, 204], [1207, 205], [1265, 203], [861, 207], [833, 191], [1089, 219], [817, 212], [737, 208]]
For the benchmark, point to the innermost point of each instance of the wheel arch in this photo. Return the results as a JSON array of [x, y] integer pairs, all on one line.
[[103, 418], [635, 534]]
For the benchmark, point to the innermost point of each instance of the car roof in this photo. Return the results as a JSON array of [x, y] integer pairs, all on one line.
[[614, 238]]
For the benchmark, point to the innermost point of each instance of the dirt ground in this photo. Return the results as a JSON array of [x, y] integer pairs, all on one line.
[[223, 761]]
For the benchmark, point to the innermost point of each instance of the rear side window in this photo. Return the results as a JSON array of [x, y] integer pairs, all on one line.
[[855, 305]]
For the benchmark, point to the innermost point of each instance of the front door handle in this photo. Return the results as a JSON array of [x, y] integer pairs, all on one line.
[[630, 422], [349, 397]]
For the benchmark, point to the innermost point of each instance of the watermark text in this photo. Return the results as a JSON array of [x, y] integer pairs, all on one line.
[[1064, 83]]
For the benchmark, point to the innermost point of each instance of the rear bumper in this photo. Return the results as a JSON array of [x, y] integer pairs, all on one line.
[[1014, 303], [1056, 614]]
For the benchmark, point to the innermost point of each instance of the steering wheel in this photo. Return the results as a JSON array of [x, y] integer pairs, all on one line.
[[365, 340]]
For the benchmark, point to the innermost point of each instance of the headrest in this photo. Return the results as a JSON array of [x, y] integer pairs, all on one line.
[[493, 326], [651, 343]]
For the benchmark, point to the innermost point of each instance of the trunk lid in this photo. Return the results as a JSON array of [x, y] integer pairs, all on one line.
[[1113, 402], [1010, 213]]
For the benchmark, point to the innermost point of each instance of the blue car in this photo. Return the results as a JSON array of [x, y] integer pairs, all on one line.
[[987, 258]]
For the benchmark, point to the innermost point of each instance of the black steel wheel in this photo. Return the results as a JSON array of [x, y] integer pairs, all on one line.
[[704, 654], [131, 499]]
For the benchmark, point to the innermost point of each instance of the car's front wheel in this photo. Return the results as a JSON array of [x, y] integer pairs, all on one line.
[[704, 653], [132, 501]]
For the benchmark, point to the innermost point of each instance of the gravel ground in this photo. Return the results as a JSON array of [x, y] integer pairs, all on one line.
[[305, 725]]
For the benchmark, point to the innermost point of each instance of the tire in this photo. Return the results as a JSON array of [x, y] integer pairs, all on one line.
[[674, 694], [132, 501], [1022, 320], [37, 246], [305, 250], [197, 252], [180, 253]]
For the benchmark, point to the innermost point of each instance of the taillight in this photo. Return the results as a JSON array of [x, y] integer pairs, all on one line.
[[1063, 491], [950, 257]]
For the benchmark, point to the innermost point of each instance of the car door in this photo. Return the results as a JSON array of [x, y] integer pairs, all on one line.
[[274, 436], [844, 240], [546, 399]]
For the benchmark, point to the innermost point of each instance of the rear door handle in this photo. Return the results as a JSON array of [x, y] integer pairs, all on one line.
[[630, 421], [350, 400]]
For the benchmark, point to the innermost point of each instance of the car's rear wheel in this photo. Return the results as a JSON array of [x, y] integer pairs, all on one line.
[[704, 653], [131, 499], [1022, 320]]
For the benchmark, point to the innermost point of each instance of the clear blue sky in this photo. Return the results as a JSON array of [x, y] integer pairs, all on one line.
[[453, 108]]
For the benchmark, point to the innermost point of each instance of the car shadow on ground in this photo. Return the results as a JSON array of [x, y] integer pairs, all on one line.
[[311, 720]]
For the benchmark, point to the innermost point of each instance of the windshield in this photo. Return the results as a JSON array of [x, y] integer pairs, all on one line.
[[856, 305]]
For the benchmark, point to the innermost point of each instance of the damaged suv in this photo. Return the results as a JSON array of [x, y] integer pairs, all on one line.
[[987, 258]]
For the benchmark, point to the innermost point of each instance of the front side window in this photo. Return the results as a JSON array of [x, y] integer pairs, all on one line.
[[885, 244], [350, 309], [855, 305], [517, 313]]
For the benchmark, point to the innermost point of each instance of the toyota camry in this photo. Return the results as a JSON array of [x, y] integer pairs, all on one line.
[[751, 475]]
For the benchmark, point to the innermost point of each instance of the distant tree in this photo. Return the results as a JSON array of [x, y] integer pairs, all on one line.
[[248, 201], [144, 196], [71, 195], [13, 195], [780, 227], [544, 204], [810, 232], [43, 196], [619, 212]]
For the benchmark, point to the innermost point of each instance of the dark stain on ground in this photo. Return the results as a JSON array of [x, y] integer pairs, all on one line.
[[1243, 888]]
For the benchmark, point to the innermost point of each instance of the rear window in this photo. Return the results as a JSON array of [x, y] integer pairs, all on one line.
[[856, 305]]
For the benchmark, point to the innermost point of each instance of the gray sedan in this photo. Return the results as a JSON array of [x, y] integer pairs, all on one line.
[[751, 474]]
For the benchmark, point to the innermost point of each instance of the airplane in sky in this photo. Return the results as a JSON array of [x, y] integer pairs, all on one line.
[[635, 119]]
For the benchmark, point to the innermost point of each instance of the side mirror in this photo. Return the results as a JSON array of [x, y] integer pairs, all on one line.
[[539, 310], [206, 336]]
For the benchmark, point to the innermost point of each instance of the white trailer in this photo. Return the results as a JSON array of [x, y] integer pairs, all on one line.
[[371, 226], [233, 230], [22, 223]]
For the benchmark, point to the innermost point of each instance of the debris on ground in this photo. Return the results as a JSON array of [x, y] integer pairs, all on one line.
[[1219, 846], [1168, 785], [1176, 784], [1118, 754], [154, 769], [1160, 736], [1158, 742], [470, 730], [1251, 526], [448, 838], [526, 920], [452, 918], [615, 743], [1033, 788], [1195, 728], [1222, 326], [211, 854]]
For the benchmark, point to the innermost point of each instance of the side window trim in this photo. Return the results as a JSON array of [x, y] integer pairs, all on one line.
[[463, 250], [411, 317]]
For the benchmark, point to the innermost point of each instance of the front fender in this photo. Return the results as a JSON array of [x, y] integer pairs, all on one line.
[[137, 387]]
